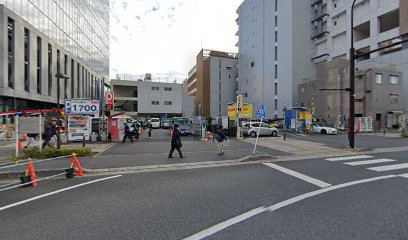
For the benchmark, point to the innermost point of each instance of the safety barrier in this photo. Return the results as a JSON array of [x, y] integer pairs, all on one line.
[[29, 177]]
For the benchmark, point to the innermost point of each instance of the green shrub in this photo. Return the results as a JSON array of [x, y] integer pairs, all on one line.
[[404, 134], [34, 152]]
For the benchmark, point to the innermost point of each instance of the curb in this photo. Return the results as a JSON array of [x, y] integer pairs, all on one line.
[[40, 174]]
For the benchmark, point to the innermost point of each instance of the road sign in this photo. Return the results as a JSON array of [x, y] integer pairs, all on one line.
[[81, 107], [240, 103], [261, 112]]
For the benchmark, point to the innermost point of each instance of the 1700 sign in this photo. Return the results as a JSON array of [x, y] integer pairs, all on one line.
[[81, 107]]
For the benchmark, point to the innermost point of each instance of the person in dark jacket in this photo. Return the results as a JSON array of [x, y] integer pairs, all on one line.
[[127, 134], [221, 138], [149, 131], [47, 136], [176, 142]]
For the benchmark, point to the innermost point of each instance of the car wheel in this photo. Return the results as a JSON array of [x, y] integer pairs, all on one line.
[[253, 134], [274, 133], [323, 132]]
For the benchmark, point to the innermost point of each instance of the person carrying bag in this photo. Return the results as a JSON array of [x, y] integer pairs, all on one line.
[[176, 142]]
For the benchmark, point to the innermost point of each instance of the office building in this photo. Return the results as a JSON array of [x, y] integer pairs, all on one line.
[[213, 82], [144, 96], [275, 48], [42, 38]]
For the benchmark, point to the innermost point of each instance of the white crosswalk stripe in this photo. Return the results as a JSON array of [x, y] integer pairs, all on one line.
[[367, 162], [389, 167], [348, 158]]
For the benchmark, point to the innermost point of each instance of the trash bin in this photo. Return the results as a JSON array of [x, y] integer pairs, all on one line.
[[94, 137]]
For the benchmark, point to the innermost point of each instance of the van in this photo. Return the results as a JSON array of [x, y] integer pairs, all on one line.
[[155, 122]]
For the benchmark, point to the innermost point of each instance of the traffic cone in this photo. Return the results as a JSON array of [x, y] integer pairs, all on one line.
[[19, 145], [75, 162], [30, 175]]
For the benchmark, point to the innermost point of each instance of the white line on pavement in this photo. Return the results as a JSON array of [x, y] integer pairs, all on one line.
[[228, 223], [55, 192], [214, 229], [389, 167], [303, 177], [348, 158], [367, 162]]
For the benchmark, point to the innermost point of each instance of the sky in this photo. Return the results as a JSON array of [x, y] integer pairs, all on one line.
[[163, 37]]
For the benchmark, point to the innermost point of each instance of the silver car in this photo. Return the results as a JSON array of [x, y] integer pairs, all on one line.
[[251, 129]]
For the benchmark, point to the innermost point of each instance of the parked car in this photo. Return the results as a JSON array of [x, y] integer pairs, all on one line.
[[316, 128], [166, 123], [155, 122], [251, 129]]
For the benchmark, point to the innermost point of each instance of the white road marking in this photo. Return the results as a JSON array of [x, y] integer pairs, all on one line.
[[303, 177], [367, 162], [348, 158], [217, 228], [220, 226], [389, 167], [55, 192], [405, 175]]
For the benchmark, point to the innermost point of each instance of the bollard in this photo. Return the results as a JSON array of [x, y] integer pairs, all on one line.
[[83, 140], [208, 136], [284, 136]]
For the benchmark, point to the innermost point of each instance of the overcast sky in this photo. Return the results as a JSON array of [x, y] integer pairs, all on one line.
[[164, 36]]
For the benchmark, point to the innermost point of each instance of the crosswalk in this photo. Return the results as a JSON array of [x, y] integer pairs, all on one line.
[[371, 163]]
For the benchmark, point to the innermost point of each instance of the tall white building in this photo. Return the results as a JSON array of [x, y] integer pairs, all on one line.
[[275, 50]]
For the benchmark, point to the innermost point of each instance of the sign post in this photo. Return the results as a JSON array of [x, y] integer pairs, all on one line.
[[260, 114], [238, 110]]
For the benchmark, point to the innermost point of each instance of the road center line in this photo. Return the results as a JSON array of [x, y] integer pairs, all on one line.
[[55, 192], [228, 223], [303, 177]]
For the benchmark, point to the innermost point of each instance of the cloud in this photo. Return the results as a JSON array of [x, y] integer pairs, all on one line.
[[124, 5], [137, 17], [156, 7]]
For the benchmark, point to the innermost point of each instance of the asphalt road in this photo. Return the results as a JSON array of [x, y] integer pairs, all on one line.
[[361, 197]]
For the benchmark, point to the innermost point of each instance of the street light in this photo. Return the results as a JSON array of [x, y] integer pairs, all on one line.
[[351, 134], [65, 77]]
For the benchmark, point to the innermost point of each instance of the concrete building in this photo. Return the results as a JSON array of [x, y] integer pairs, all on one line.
[[146, 98], [39, 39], [379, 93], [275, 49], [377, 23], [212, 81], [188, 101]]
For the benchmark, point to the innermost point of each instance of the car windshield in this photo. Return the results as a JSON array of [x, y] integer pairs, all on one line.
[[316, 125], [155, 120], [181, 121]]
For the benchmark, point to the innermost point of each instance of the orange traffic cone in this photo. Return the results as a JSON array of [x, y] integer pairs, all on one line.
[[30, 172], [75, 162], [19, 145]]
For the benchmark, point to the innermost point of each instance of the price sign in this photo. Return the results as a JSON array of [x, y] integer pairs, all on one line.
[[81, 107]]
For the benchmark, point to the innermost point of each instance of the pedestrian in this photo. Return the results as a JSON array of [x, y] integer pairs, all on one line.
[[149, 132], [176, 142], [31, 140], [127, 134], [136, 130], [54, 133], [220, 137], [47, 136]]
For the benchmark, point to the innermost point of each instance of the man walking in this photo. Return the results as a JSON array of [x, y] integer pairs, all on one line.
[[149, 131], [47, 135], [221, 138], [127, 134], [176, 142]]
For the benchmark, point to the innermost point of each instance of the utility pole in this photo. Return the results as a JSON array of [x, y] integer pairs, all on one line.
[[59, 76], [351, 134]]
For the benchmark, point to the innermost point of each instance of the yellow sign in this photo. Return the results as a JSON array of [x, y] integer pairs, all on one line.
[[240, 102], [245, 113], [305, 115]]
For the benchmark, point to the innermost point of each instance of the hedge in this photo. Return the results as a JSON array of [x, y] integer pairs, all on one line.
[[34, 152]]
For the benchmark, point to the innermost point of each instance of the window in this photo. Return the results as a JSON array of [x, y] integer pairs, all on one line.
[[378, 78], [10, 51], [26, 60], [276, 53], [50, 70], [276, 89], [276, 36], [168, 103], [58, 61], [168, 89], [155, 88], [252, 64], [155, 103], [78, 80], [245, 94], [394, 79], [66, 73], [276, 21], [39, 64], [72, 78], [276, 104], [335, 23], [394, 99], [135, 93], [135, 107], [276, 5]]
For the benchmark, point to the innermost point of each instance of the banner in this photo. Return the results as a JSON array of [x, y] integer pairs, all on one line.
[[245, 113]]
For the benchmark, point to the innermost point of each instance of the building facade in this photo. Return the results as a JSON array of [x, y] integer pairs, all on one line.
[[144, 98], [42, 38], [213, 82], [275, 49]]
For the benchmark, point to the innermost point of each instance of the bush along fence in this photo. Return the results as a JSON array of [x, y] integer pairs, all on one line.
[[34, 152]]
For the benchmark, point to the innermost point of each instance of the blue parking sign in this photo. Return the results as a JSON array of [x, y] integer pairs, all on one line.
[[261, 112]]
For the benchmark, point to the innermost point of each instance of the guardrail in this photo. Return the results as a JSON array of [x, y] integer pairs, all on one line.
[[29, 177]]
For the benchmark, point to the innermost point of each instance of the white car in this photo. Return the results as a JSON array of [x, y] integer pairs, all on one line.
[[252, 128], [316, 128], [155, 122]]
